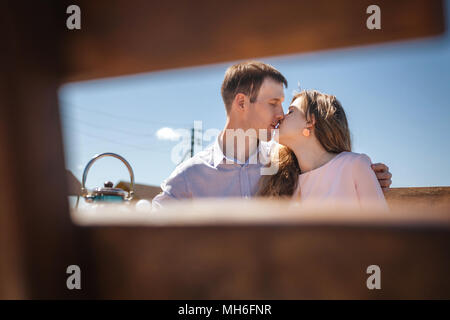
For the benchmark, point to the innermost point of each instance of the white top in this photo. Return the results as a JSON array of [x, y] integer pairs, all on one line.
[[347, 179]]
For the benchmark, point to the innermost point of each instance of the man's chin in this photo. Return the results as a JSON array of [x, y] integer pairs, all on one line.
[[274, 135], [266, 137]]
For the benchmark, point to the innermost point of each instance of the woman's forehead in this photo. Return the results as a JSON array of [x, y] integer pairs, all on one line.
[[297, 102]]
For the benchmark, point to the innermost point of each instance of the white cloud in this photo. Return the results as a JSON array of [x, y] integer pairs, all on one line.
[[168, 134]]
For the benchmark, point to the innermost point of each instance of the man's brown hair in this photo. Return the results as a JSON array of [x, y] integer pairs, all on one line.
[[247, 78]]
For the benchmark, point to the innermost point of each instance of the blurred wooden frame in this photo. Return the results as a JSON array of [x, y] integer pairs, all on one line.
[[119, 38], [38, 54]]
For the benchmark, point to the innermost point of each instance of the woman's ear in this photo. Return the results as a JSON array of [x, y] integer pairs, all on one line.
[[311, 122]]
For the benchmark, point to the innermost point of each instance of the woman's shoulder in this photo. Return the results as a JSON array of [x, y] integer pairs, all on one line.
[[355, 159], [354, 156]]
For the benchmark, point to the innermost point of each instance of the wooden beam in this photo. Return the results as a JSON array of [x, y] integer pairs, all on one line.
[[119, 37], [224, 249], [41, 239], [270, 262]]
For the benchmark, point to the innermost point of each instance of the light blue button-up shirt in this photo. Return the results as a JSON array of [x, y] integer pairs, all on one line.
[[210, 173]]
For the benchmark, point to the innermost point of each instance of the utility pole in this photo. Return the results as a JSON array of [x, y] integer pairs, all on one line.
[[197, 128], [192, 141]]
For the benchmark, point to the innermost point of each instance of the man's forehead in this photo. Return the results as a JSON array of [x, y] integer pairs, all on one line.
[[271, 89]]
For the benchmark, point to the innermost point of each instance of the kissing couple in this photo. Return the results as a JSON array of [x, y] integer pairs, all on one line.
[[309, 146]]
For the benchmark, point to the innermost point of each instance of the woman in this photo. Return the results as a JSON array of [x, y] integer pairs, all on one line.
[[315, 159]]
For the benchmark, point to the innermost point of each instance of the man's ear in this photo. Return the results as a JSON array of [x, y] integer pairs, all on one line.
[[239, 101]]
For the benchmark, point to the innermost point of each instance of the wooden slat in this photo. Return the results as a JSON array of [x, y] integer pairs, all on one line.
[[119, 37], [41, 239], [420, 198], [224, 249], [237, 212], [253, 249], [270, 262]]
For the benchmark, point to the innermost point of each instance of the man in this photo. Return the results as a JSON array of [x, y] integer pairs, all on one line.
[[253, 93]]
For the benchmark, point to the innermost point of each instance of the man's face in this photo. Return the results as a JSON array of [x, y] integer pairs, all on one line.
[[267, 110]]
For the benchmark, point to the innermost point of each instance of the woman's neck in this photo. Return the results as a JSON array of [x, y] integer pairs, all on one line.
[[311, 156]]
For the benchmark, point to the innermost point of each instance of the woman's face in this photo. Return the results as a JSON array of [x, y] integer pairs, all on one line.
[[291, 127]]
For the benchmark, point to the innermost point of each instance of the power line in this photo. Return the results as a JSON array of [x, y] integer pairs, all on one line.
[[123, 118], [108, 128], [116, 141]]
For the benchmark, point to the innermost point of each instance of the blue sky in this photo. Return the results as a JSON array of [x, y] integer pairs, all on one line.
[[396, 97]]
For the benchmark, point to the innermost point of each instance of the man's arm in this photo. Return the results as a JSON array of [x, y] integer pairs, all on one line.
[[383, 175], [173, 188]]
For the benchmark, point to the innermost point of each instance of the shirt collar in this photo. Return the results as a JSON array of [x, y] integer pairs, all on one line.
[[264, 149]]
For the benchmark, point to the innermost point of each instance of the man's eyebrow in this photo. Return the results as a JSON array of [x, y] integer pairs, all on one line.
[[277, 99]]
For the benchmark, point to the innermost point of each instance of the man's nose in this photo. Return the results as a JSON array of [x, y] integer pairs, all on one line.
[[280, 114]]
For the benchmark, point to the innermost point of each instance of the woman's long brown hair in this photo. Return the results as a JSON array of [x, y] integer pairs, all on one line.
[[331, 130]]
